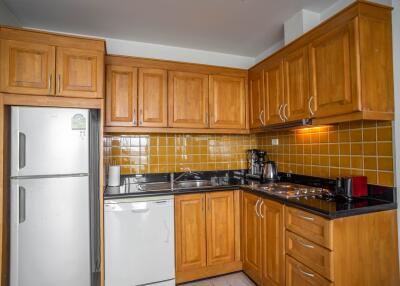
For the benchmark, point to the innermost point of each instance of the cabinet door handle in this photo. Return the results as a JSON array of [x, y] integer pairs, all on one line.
[[261, 117], [260, 206], [134, 117], [284, 111], [206, 115], [305, 244], [309, 105], [256, 208], [306, 217], [59, 83], [140, 117], [305, 273], [50, 76], [203, 205], [280, 112]]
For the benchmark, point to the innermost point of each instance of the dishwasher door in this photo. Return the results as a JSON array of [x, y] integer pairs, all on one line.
[[139, 241]]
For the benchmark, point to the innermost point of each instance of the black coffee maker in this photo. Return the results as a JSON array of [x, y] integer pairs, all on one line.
[[255, 163]]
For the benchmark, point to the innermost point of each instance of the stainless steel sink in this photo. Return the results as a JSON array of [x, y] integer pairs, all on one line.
[[192, 184], [155, 187]]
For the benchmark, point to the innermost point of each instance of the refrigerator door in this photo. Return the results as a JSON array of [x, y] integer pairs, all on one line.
[[49, 141], [50, 232]]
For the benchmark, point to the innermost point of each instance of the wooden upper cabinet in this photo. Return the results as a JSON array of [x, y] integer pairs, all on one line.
[[333, 61], [121, 97], [187, 100], [27, 68], [220, 228], [153, 97], [273, 92], [273, 252], [227, 102], [190, 232], [80, 73], [296, 75], [251, 237], [257, 103]]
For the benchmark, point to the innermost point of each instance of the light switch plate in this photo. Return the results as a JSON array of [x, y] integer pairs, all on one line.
[[275, 141]]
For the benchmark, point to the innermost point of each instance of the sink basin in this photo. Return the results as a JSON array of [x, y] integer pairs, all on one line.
[[192, 184], [155, 187]]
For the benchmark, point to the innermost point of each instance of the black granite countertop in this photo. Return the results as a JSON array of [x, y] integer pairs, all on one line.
[[379, 198]]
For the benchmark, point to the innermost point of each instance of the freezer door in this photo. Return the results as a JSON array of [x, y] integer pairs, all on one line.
[[48, 141], [139, 243], [50, 232]]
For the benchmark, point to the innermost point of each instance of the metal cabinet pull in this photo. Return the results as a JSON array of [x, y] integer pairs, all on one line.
[[309, 105], [280, 112], [206, 116], [261, 117], [59, 83], [134, 117], [260, 206], [305, 244], [203, 205], [22, 150], [284, 111], [22, 204], [306, 217], [305, 273], [50, 76], [140, 117], [256, 208]]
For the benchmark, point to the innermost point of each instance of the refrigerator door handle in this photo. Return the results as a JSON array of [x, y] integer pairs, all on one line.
[[22, 204], [22, 150]]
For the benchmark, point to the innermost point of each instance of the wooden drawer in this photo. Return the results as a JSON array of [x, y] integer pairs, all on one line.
[[299, 275], [310, 226], [314, 256]]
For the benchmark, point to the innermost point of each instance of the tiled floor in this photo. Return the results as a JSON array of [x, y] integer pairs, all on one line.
[[235, 279]]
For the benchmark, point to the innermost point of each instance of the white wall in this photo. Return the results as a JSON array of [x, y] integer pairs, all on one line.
[[6, 16]]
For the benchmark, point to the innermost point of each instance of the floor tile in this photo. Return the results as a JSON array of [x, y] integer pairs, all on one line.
[[235, 279]]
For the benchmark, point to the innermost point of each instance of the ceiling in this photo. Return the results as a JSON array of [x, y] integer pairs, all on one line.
[[238, 27]]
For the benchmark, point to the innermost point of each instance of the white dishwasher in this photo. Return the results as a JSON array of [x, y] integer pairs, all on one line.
[[139, 241]]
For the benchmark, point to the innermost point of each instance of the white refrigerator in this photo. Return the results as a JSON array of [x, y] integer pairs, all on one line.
[[54, 205]]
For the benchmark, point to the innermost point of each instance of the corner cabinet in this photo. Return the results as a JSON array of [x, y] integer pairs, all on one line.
[[187, 100], [37, 63], [257, 102], [205, 235]]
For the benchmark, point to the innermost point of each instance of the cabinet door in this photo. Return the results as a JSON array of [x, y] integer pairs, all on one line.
[[153, 98], [227, 102], [251, 237], [333, 62], [296, 85], [273, 253], [187, 100], [190, 232], [80, 73], [121, 98], [299, 275], [257, 112], [220, 228], [273, 91], [27, 68]]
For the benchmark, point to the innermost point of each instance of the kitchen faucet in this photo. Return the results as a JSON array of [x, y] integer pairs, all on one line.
[[186, 171]]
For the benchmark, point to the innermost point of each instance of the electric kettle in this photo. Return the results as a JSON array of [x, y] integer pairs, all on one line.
[[270, 171]]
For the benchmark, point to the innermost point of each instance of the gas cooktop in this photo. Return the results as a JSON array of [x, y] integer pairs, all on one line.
[[289, 190]]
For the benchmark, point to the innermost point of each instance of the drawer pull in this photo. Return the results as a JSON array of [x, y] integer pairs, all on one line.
[[305, 273], [305, 244], [306, 217]]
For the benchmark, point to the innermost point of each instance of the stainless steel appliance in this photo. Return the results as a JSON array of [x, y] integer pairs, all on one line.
[[290, 190], [255, 163], [270, 172], [54, 186], [139, 241]]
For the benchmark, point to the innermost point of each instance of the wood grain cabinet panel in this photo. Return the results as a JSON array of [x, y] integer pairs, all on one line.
[[251, 237], [227, 102], [272, 237], [190, 232], [257, 102], [299, 275], [274, 92], [80, 73], [220, 228], [187, 100], [121, 97], [153, 98], [296, 85], [27, 68], [334, 76]]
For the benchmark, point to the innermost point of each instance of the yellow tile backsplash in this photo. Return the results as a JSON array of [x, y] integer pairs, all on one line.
[[351, 148]]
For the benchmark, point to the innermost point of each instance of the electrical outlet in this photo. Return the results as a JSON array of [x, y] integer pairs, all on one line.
[[275, 141]]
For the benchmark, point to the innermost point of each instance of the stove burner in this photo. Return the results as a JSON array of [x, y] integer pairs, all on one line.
[[288, 190]]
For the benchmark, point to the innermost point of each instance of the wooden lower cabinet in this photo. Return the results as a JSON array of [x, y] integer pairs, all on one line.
[[263, 240], [299, 275], [205, 232]]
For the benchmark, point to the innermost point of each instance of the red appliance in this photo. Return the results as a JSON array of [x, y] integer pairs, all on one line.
[[359, 186]]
